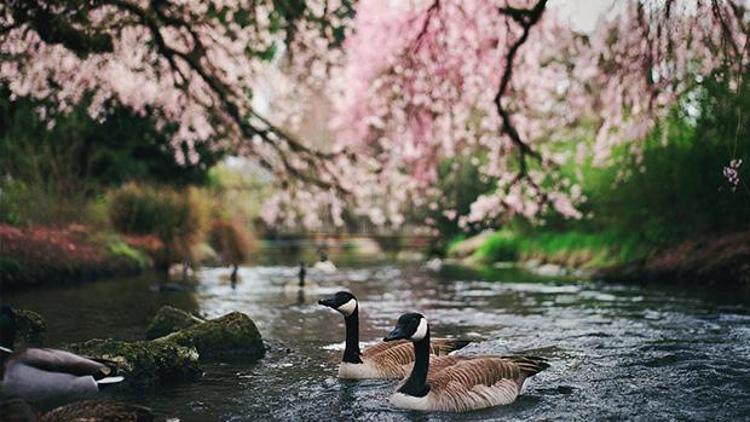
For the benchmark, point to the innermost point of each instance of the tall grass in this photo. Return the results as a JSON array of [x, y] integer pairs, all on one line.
[[179, 218], [570, 248]]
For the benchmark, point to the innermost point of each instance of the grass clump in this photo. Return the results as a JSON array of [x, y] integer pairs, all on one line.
[[177, 218], [571, 248]]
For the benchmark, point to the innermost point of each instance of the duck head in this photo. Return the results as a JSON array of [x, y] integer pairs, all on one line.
[[412, 326], [343, 302], [7, 328]]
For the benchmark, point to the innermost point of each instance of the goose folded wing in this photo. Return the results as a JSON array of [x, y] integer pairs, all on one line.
[[55, 360], [475, 383], [381, 347]]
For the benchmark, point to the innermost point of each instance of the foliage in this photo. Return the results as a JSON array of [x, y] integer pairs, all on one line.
[[79, 152], [673, 191], [178, 218], [412, 84], [231, 241], [570, 248]]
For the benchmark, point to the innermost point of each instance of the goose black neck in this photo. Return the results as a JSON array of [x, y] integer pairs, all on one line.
[[351, 351], [416, 384]]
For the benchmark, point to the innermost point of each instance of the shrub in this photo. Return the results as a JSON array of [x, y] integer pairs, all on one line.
[[178, 218], [232, 241]]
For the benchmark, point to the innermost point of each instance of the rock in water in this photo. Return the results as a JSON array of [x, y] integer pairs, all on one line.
[[233, 336], [144, 362], [170, 319]]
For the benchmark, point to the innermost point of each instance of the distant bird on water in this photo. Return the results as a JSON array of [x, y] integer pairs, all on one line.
[[324, 264]]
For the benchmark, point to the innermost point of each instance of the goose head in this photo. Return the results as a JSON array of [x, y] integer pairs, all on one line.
[[412, 326], [343, 302]]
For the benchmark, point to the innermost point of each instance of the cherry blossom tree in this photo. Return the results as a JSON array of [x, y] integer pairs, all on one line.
[[506, 82], [189, 64], [414, 83]]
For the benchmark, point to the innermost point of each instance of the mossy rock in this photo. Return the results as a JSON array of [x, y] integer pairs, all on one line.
[[145, 363], [170, 319], [30, 327], [233, 336]]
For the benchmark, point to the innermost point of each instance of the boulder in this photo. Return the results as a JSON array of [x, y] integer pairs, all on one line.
[[170, 319], [144, 363], [233, 336]]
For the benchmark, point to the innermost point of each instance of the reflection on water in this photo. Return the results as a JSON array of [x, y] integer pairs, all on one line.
[[616, 351]]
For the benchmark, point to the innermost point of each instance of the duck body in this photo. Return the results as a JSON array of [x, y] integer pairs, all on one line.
[[50, 377], [467, 383], [391, 360], [47, 377]]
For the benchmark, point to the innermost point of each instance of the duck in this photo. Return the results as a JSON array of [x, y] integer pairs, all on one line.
[[468, 383], [47, 377], [17, 410], [324, 264], [391, 360]]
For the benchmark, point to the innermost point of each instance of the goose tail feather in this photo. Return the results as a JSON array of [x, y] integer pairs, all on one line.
[[529, 365]]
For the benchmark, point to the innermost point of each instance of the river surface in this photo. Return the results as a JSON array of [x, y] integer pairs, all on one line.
[[617, 352]]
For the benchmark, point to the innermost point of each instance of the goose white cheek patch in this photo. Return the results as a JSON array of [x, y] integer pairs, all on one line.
[[348, 308], [421, 330]]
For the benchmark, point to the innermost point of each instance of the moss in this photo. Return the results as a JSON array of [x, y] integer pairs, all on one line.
[[30, 327], [169, 320], [233, 336], [144, 362]]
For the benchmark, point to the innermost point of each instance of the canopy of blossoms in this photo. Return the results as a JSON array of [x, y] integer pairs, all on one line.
[[413, 83]]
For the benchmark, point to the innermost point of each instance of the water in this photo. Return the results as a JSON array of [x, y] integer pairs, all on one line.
[[617, 352]]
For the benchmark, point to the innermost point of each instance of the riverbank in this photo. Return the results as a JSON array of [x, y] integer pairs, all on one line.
[[39, 255], [718, 259]]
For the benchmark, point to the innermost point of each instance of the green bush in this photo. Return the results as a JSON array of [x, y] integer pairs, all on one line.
[[177, 218], [231, 241]]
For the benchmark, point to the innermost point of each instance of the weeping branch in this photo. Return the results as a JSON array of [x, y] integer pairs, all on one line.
[[527, 18], [230, 106]]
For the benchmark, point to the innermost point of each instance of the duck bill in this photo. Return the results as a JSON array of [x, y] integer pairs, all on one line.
[[396, 334]]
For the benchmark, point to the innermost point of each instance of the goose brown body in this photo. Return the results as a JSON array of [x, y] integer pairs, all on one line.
[[458, 383], [395, 361]]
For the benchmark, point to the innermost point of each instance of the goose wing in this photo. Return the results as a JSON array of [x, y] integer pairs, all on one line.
[[55, 360], [443, 346], [405, 351], [383, 346], [479, 382]]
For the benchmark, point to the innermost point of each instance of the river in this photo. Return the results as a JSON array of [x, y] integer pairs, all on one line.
[[617, 351]]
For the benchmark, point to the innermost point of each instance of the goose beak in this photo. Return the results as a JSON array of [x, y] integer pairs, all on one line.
[[328, 301], [396, 334]]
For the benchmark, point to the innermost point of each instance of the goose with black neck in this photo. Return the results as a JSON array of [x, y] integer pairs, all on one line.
[[381, 360], [467, 383]]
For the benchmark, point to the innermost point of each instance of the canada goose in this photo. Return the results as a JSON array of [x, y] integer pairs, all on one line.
[[17, 410], [382, 360], [324, 265], [47, 377], [470, 383]]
